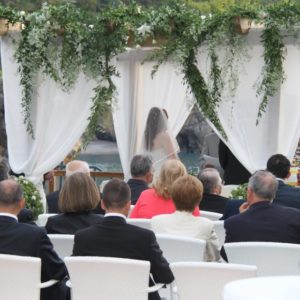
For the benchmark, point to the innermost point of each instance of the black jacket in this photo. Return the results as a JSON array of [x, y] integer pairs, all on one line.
[[287, 195], [214, 203], [136, 187]]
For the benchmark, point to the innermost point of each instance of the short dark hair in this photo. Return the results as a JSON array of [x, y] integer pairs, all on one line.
[[279, 166], [140, 165], [210, 179], [186, 193], [11, 192], [264, 184], [116, 194], [4, 170]]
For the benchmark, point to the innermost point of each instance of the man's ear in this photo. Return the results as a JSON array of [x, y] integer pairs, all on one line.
[[22, 203], [103, 205], [288, 175]]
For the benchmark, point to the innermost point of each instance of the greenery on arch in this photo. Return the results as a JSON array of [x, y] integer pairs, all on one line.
[[63, 40]]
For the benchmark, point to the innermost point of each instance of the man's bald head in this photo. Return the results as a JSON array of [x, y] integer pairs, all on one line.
[[77, 166], [11, 193]]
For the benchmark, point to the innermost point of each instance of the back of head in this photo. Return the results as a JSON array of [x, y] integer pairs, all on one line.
[[264, 185], [79, 193], [11, 193], [140, 165], [156, 123], [210, 179], [116, 194], [77, 166], [4, 170], [279, 166], [186, 193], [170, 171]]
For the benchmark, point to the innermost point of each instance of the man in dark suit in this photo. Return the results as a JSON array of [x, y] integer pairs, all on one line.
[[260, 220], [115, 238], [27, 240], [234, 171], [212, 186], [142, 174], [286, 195]]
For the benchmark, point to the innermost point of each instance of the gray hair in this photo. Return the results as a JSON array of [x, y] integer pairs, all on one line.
[[210, 179], [264, 185], [140, 165], [77, 166], [11, 192]]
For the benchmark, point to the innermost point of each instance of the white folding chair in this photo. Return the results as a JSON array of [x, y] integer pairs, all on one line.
[[63, 244], [210, 215], [178, 248], [144, 223], [130, 210], [109, 278], [206, 280], [20, 278], [220, 231], [270, 258], [43, 218]]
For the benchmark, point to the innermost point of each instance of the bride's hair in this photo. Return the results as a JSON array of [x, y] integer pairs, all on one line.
[[156, 123], [170, 171]]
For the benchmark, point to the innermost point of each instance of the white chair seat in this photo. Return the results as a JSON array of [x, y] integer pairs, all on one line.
[[43, 218], [63, 244], [210, 215], [144, 223]]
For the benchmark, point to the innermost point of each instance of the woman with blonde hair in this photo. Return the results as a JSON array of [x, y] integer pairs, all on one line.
[[77, 198], [157, 200]]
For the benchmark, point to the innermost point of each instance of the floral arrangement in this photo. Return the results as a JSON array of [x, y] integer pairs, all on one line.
[[62, 40], [33, 199], [240, 192]]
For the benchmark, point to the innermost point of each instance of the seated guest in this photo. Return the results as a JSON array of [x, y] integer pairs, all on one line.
[[286, 195], [212, 185], [186, 194], [25, 215], [27, 240], [115, 238], [142, 174], [260, 220], [78, 197], [157, 201]]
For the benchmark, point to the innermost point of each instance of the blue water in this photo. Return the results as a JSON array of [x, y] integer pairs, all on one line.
[[111, 162]]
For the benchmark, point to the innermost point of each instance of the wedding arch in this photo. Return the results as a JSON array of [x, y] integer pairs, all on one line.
[[63, 68]]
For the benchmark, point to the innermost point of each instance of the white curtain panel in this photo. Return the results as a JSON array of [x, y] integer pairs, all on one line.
[[279, 128], [58, 119], [138, 93]]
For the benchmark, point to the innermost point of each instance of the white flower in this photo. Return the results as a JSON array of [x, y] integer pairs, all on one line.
[[144, 29], [33, 197], [154, 42], [137, 46], [25, 181], [91, 26], [21, 177], [210, 16], [22, 13], [36, 192], [203, 17], [139, 9]]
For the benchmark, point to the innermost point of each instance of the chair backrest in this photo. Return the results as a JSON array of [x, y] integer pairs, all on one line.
[[43, 218], [220, 231], [20, 277], [62, 243], [227, 189], [110, 278], [206, 280], [144, 223], [178, 248], [210, 215], [270, 258], [130, 210]]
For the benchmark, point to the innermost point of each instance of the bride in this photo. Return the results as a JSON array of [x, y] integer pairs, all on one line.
[[157, 140]]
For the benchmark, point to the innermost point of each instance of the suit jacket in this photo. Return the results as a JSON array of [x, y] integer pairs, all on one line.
[[185, 224], [232, 208], [287, 195], [28, 240], [234, 171], [70, 223], [214, 203], [264, 222], [136, 187], [115, 238]]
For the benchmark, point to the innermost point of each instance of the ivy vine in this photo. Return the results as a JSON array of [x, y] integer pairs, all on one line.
[[62, 41]]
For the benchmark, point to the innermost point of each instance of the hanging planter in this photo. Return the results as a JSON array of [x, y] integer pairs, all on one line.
[[242, 25], [5, 26]]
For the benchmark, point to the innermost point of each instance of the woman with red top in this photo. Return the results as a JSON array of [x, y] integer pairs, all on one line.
[[157, 201]]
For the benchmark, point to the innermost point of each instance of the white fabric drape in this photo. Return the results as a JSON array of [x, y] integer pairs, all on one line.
[[138, 93], [279, 128], [58, 119]]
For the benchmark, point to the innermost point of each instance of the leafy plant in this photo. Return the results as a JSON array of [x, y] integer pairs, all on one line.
[[240, 192]]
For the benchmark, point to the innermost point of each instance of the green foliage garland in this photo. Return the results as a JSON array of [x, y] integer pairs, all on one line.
[[61, 41]]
